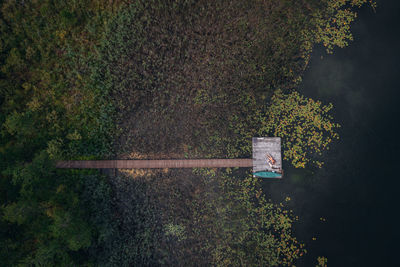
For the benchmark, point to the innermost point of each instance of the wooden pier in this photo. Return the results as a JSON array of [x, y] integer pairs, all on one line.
[[154, 164], [263, 147]]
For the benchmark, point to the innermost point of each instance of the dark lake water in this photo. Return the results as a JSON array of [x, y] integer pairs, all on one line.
[[358, 190]]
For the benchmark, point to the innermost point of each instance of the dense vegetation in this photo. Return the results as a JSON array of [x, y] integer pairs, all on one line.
[[155, 79]]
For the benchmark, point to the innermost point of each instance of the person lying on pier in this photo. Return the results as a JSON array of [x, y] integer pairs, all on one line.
[[271, 160]]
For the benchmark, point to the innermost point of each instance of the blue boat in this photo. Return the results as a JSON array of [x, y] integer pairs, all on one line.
[[267, 174]]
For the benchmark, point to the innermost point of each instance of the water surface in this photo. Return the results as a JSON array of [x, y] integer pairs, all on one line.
[[351, 206]]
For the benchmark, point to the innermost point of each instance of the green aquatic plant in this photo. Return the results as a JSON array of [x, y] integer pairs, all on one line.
[[304, 124]]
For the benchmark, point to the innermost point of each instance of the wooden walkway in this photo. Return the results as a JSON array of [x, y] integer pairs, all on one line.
[[154, 164], [266, 160]]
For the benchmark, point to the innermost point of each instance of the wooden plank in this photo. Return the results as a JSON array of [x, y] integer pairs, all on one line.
[[262, 146], [155, 164]]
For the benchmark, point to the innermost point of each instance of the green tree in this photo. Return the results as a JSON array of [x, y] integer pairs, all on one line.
[[63, 215], [49, 210]]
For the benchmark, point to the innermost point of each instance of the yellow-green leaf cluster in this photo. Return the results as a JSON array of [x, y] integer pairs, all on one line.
[[332, 23], [304, 125], [248, 229]]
